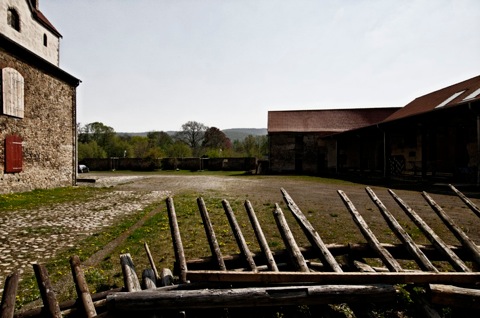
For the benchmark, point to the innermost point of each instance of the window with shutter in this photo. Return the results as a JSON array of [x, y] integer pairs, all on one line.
[[12, 92], [13, 154]]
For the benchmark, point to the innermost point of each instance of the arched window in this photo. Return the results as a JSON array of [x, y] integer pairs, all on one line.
[[13, 19], [45, 43]]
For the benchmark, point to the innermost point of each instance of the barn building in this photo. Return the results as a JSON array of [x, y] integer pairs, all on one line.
[[38, 102], [436, 136]]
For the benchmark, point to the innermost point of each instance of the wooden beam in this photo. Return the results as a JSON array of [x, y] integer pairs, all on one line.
[[81, 287], [177, 241], [150, 259], [46, 291], [7, 308], [466, 200], [130, 277], [448, 295]]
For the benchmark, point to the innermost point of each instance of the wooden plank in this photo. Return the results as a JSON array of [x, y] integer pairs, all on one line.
[[130, 277], [150, 259], [149, 279], [7, 308], [46, 291], [325, 256], [177, 241], [436, 241], [237, 233], [81, 287], [336, 278], [262, 241], [448, 295], [466, 200], [247, 297], [289, 241], [406, 239], [212, 240], [454, 228], [372, 240]]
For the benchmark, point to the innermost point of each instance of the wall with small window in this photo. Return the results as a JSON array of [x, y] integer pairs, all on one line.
[[18, 24]]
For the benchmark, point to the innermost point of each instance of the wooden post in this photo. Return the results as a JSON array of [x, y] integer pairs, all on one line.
[[237, 232], [260, 237], [46, 291], [7, 308], [130, 278], [312, 235], [466, 200], [410, 245], [149, 279], [212, 240], [177, 241], [82, 287], [439, 244], [372, 240], [150, 259], [166, 277], [289, 240], [459, 234]]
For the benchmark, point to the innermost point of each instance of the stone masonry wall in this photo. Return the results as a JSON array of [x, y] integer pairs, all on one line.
[[47, 131]]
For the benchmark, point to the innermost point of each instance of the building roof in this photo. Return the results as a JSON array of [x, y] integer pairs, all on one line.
[[326, 120], [38, 15], [454, 95]]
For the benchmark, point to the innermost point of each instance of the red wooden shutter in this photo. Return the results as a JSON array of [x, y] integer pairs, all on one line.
[[13, 154]]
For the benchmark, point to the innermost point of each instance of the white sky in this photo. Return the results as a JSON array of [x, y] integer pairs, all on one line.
[[155, 64]]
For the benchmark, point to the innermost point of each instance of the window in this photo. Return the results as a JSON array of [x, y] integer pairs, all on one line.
[[473, 95], [12, 92], [45, 40], [448, 100], [13, 154], [13, 19]]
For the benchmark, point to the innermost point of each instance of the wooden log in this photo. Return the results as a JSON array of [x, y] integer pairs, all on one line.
[[436, 241], [212, 240], [237, 233], [177, 241], [454, 228], [166, 277], [262, 241], [81, 287], [49, 299], [312, 235], [289, 241], [149, 280], [247, 297], [150, 259], [336, 278], [363, 267], [466, 200], [7, 308], [372, 240], [130, 277], [448, 295], [407, 240]]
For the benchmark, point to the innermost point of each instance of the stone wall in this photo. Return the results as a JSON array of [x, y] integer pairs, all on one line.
[[48, 126]]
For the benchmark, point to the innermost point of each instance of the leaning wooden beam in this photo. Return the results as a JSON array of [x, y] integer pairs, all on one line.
[[310, 232], [459, 234], [247, 297], [81, 287], [439, 244], [262, 241], [150, 259], [46, 291], [466, 200], [177, 241], [372, 240], [237, 232], [130, 278], [7, 308], [289, 241], [448, 295], [336, 278], [410, 245], [212, 240]]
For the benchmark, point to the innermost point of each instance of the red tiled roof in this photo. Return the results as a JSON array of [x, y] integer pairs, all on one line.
[[430, 101], [38, 15], [326, 120]]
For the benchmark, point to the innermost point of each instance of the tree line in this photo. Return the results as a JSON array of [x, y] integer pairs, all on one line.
[[97, 140]]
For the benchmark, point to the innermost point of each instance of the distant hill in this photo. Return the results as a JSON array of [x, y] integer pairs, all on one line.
[[231, 133]]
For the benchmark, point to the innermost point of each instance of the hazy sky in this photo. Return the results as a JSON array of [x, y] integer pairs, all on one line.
[[156, 64]]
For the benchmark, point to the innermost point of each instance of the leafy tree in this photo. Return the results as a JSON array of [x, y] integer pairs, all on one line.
[[179, 149], [159, 139], [216, 139], [192, 134], [90, 150], [139, 146]]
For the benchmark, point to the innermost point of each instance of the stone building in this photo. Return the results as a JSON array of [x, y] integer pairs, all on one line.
[[38, 102]]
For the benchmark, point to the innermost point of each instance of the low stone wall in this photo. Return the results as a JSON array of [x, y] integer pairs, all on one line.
[[135, 164]]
